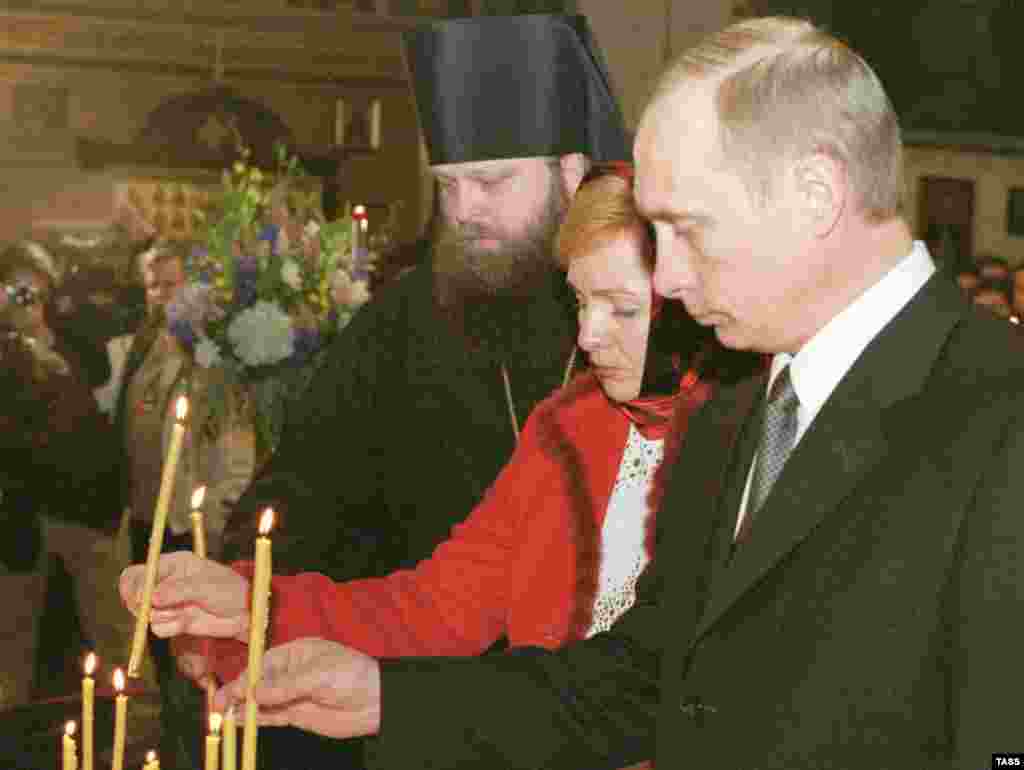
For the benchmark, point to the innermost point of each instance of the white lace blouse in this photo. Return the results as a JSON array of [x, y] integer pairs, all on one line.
[[623, 555]]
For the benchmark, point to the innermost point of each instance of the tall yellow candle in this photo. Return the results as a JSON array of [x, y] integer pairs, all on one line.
[[199, 548], [156, 537], [70, 753], [257, 636], [213, 743], [198, 530], [88, 709], [120, 719], [228, 738]]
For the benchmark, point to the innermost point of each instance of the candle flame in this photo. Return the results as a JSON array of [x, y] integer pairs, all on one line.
[[119, 680], [150, 756], [266, 522], [215, 720], [181, 408], [90, 663], [197, 498], [359, 211], [70, 727]]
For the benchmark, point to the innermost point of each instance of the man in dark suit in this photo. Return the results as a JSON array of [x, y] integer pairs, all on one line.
[[838, 578]]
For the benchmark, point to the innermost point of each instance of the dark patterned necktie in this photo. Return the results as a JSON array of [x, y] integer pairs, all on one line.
[[778, 434]]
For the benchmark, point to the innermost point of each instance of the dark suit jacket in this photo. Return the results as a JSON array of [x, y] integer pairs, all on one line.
[[873, 620]]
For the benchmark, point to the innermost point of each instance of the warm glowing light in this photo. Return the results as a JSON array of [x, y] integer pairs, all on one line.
[[150, 756], [90, 663], [359, 211], [70, 727], [181, 408], [266, 522], [215, 720], [197, 498], [119, 680]]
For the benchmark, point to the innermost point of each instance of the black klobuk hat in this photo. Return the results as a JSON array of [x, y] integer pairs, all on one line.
[[513, 87]]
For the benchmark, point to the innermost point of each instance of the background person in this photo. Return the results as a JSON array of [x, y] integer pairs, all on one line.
[[58, 488]]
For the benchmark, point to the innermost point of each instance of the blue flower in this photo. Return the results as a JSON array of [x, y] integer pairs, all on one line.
[[183, 331], [270, 233], [247, 270], [307, 342]]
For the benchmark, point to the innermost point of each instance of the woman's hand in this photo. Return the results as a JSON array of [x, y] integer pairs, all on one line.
[[192, 596], [316, 685]]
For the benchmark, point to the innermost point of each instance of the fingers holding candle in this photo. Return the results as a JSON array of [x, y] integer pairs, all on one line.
[[316, 685], [191, 596]]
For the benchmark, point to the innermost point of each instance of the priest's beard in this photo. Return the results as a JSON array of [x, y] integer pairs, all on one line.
[[491, 298]]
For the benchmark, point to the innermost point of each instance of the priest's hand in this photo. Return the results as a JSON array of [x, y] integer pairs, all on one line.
[[192, 596], [316, 685]]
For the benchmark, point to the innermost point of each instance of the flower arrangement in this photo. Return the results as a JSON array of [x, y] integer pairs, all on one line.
[[268, 286]]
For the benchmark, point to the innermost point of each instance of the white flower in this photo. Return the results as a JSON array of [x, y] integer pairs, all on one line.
[[262, 334], [207, 353], [291, 274], [360, 292], [340, 281], [349, 293]]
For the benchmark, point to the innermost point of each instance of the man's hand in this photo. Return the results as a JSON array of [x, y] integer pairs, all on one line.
[[314, 685], [192, 596]]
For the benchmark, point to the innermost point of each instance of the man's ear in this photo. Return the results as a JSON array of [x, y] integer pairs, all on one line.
[[573, 167], [822, 185]]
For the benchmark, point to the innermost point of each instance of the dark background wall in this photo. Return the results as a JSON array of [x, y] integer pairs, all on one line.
[[949, 65]]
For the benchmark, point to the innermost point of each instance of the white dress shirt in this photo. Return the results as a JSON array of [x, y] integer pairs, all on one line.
[[819, 365]]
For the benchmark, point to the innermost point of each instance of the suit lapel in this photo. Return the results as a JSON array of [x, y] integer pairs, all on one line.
[[845, 442], [842, 445], [728, 415], [695, 488]]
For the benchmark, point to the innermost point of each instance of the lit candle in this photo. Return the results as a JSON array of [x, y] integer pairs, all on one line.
[[199, 548], [228, 761], [358, 217], [88, 699], [120, 717], [213, 743], [152, 763], [198, 532], [70, 750], [156, 537], [257, 636]]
